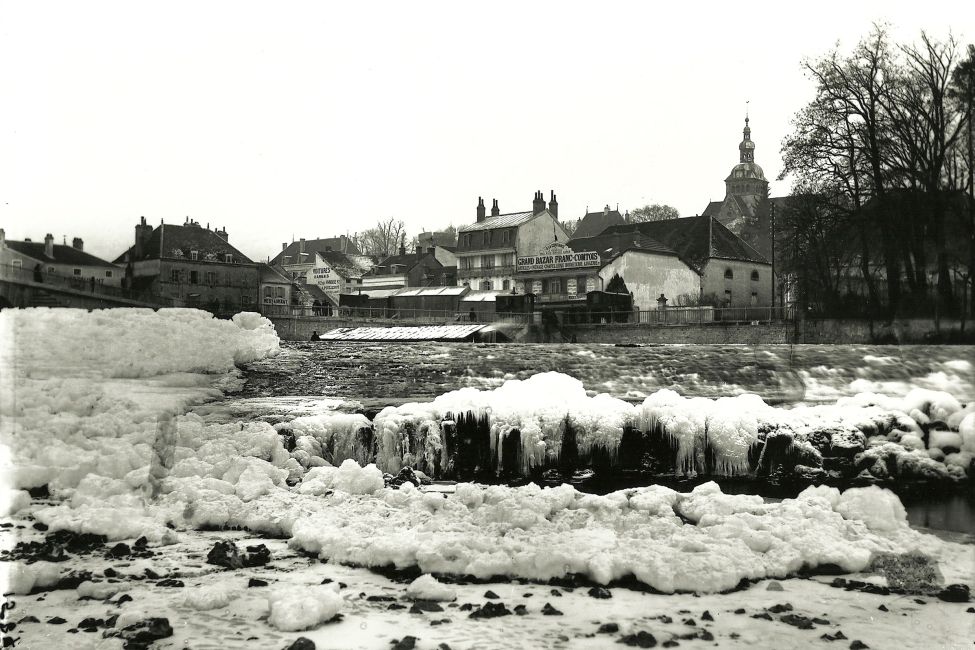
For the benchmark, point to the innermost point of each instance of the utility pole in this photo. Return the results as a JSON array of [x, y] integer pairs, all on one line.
[[772, 237]]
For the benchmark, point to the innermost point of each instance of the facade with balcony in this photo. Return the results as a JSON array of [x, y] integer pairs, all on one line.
[[488, 249]]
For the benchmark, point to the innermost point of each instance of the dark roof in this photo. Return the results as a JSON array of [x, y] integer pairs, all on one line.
[[612, 245], [313, 246], [62, 254], [713, 208], [342, 263], [271, 273], [500, 221], [438, 238], [694, 239], [176, 241], [406, 260], [595, 222]]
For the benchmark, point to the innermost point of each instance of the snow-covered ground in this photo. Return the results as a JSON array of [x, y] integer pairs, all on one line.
[[96, 407]]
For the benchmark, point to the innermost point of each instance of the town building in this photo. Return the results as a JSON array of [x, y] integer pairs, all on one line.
[[298, 252], [488, 248], [37, 259], [430, 268], [190, 265], [675, 262], [746, 207], [594, 223], [276, 291]]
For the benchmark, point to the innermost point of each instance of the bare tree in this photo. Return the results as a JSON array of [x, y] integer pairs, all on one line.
[[383, 239]]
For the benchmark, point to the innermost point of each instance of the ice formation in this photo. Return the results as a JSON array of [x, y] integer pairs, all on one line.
[[426, 587], [293, 610]]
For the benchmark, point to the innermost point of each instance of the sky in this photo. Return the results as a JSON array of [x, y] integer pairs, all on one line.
[[282, 120]]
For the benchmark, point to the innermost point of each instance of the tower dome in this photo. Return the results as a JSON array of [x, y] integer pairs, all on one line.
[[747, 176], [746, 149]]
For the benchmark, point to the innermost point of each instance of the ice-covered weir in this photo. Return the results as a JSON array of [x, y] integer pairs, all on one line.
[[550, 421]]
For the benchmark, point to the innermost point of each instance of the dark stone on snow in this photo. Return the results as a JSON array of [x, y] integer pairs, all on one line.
[[406, 643], [491, 595], [858, 645], [666, 620], [426, 606], [170, 582], [443, 646], [395, 606], [970, 610], [670, 643], [920, 602], [111, 620], [152, 575], [955, 593], [778, 609], [820, 621], [491, 610], [225, 554], [39, 526], [29, 619], [600, 592], [740, 610], [556, 593], [639, 640], [256, 555], [839, 583], [39, 492], [142, 542], [92, 622], [325, 581], [706, 616], [706, 635], [773, 586], [302, 643], [548, 610], [110, 572], [57, 620], [119, 550], [883, 608], [521, 610], [139, 635], [380, 599], [798, 620], [257, 582], [765, 615], [689, 622], [73, 579], [608, 628], [466, 607], [124, 598]]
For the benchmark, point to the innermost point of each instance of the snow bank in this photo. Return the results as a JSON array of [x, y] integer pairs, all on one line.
[[46, 342], [303, 608], [542, 533]]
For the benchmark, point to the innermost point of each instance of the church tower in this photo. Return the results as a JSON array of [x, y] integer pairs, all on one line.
[[746, 178]]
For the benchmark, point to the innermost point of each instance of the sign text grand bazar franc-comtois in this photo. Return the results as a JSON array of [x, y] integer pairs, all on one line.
[[558, 262]]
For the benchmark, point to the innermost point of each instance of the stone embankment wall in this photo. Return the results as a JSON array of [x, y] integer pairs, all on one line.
[[764, 333], [904, 331]]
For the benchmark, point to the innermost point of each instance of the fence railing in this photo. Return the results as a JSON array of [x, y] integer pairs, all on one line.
[[57, 281], [688, 315]]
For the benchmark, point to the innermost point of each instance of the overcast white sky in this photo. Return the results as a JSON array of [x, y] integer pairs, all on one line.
[[291, 119]]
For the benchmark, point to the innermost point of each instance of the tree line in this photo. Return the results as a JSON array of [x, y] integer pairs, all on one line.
[[881, 216]]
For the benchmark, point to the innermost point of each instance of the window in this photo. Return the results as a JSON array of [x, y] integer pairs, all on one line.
[[194, 277], [467, 241], [506, 284], [51, 269], [754, 276], [729, 274], [487, 261], [268, 294], [505, 236], [246, 300], [174, 275], [108, 274], [754, 298], [228, 258], [727, 297], [581, 285], [76, 271], [211, 277], [17, 264], [485, 285], [194, 255], [555, 285], [279, 292]]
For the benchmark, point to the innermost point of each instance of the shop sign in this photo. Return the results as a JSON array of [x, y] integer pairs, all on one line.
[[558, 261]]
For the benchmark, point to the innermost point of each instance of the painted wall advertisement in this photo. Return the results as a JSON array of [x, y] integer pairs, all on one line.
[[327, 280], [558, 262]]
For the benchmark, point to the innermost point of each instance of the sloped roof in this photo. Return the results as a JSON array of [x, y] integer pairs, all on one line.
[[500, 221], [713, 208], [694, 239], [168, 239], [406, 260], [313, 246], [437, 238], [595, 222], [344, 264], [271, 273], [62, 254], [612, 245]]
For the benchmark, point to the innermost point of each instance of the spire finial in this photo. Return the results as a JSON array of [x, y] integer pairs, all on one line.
[[747, 101]]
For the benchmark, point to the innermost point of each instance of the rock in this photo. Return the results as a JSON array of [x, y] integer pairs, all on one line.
[[706, 616], [28, 619], [670, 643], [774, 586], [548, 610], [225, 554], [92, 622], [640, 640], [556, 593], [765, 615], [740, 610], [380, 599], [600, 592], [142, 542], [141, 634], [256, 556], [847, 443], [124, 598], [883, 608], [809, 474], [257, 582], [839, 583], [406, 643], [778, 609], [406, 475], [690, 622], [521, 610], [57, 620], [119, 550], [395, 606], [426, 606], [706, 635], [302, 643], [858, 645], [608, 628], [491, 595], [798, 620], [955, 593], [491, 610], [170, 582]]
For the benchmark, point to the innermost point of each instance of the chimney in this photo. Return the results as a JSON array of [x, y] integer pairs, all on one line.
[[49, 245], [222, 233], [142, 233], [480, 209], [3, 238], [606, 209], [284, 245], [553, 206], [402, 246], [343, 243], [78, 244], [495, 210], [538, 204], [301, 247]]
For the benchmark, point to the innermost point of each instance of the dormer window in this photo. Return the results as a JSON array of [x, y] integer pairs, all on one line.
[[228, 258], [194, 255]]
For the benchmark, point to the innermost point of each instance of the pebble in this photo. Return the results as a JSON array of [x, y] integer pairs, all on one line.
[[257, 582], [608, 628], [706, 616], [491, 595], [548, 610], [57, 620], [491, 610], [640, 640], [406, 643], [858, 645], [883, 608], [600, 592]]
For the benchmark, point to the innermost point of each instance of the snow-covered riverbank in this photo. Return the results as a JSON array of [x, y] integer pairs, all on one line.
[[94, 412]]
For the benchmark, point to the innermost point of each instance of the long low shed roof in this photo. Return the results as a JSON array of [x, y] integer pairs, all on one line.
[[418, 333]]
